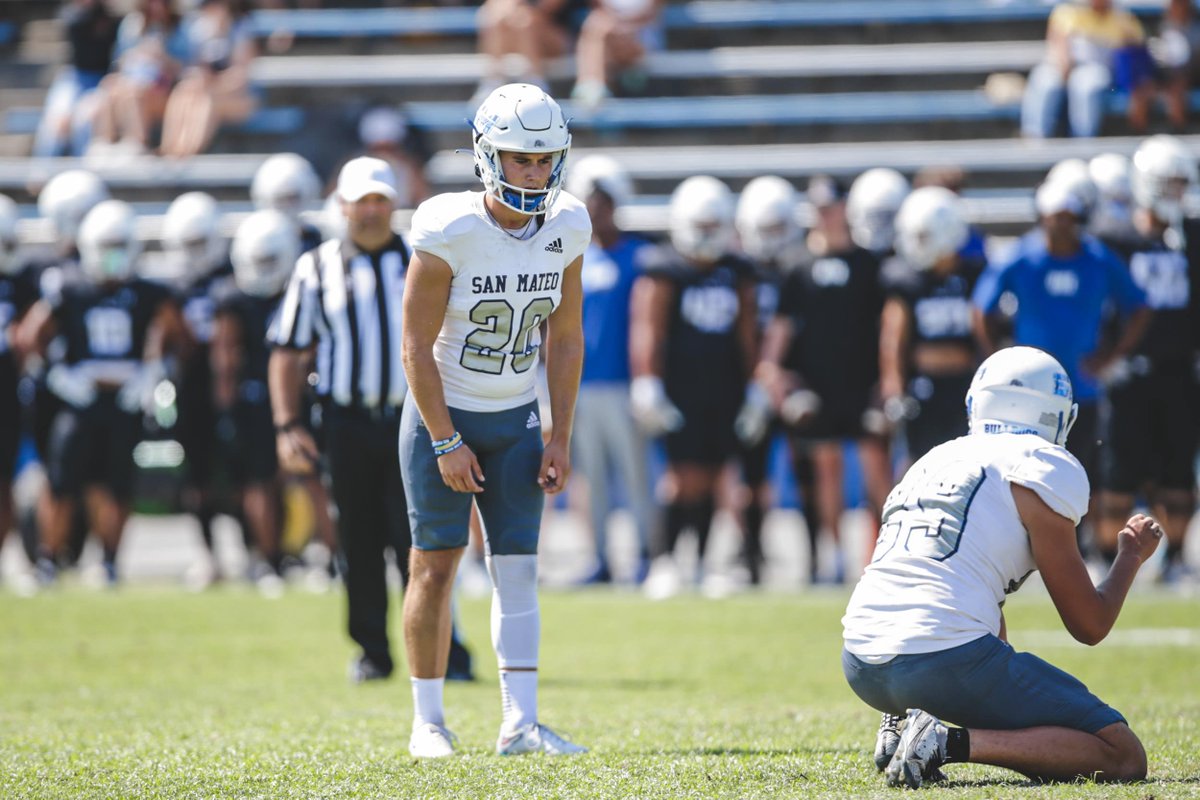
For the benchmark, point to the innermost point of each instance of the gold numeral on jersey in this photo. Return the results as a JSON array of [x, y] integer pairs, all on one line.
[[486, 347]]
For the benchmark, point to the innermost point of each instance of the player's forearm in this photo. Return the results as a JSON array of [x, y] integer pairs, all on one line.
[[564, 366], [425, 389], [1112, 592]]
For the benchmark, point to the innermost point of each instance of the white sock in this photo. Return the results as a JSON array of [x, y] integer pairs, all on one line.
[[427, 701], [518, 698], [516, 631]]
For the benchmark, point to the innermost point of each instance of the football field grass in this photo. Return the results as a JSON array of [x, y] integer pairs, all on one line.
[[151, 692]]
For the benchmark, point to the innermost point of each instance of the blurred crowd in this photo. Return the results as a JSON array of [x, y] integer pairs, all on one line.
[[778, 318]]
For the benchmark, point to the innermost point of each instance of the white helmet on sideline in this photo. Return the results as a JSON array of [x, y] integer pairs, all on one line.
[[1112, 175], [1022, 390], [701, 218], [871, 206], [67, 198], [520, 118], [108, 243], [766, 217], [1163, 169], [285, 182], [264, 252], [1074, 175], [8, 235], [931, 224], [190, 232], [598, 171]]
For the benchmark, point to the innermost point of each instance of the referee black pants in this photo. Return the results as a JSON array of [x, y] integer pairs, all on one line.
[[364, 467]]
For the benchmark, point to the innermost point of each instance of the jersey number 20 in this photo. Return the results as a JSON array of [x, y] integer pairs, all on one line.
[[487, 348]]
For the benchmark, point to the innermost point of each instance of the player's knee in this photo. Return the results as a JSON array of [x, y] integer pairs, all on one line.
[[1128, 757], [432, 569]]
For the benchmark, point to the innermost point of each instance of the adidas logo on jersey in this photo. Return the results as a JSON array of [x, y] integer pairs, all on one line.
[[533, 421], [555, 246]]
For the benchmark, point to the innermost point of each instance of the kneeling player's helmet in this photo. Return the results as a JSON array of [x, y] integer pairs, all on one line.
[[766, 217], [190, 232], [1022, 390], [264, 252], [67, 198], [520, 118], [930, 225], [1163, 168], [108, 243], [285, 182], [871, 206]]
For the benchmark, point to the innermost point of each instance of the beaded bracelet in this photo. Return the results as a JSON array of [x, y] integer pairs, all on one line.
[[443, 446]]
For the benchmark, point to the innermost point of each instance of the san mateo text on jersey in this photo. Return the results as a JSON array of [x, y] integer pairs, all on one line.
[[526, 282]]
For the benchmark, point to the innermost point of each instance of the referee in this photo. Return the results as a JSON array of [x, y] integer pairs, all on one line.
[[344, 301]]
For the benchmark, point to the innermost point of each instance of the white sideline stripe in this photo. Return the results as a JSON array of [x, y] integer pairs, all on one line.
[[1131, 637]]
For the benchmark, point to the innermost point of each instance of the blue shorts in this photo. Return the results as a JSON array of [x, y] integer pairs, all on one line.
[[983, 684], [509, 449]]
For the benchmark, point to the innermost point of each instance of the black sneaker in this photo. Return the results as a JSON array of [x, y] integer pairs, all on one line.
[[458, 667], [363, 669]]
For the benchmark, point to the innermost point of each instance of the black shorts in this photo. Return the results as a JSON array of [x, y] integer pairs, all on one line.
[[755, 460], [197, 421], [1150, 433], [93, 447], [707, 435], [245, 439], [1083, 440], [10, 417], [941, 411], [841, 416]]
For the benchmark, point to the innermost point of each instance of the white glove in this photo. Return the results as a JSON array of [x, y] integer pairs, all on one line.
[[71, 385], [653, 411], [136, 395], [799, 406], [901, 408], [755, 415]]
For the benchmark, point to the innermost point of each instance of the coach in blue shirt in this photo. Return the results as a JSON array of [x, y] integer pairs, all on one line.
[[1066, 283]]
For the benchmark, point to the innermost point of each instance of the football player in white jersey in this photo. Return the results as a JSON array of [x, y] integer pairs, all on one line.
[[490, 270], [924, 633]]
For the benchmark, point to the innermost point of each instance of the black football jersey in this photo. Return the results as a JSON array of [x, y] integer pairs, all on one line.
[[18, 292], [834, 303], [198, 305], [940, 305], [106, 323], [254, 316]]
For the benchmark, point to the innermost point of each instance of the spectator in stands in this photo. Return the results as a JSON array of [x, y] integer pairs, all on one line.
[[518, 36], [1064, 281], [1177, 52], [151, 51], [92, 32], [215, 87], [606, 441], [927, 350], [820, 362], [614, 39], [1090, 48], [692, 347], [385, 133]]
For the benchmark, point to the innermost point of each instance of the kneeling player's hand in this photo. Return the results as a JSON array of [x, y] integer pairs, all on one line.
[[461, 471], [1141, 534]]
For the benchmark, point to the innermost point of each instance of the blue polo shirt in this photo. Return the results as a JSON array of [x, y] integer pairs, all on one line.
[[607, 279], [1061, 301]]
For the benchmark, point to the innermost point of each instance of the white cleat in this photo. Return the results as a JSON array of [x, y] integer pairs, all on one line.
[[536, 738], [431, 741], [920, 751]]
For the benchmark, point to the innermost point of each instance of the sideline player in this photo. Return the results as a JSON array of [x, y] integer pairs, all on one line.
[[924, 632], [488, 269]]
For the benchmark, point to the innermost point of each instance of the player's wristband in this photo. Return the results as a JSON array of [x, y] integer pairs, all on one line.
[[287, 426], [448, 445]]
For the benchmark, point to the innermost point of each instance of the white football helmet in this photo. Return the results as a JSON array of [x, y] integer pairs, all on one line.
[[1111, 172], [871, 206], [701, 218], [1163, 169], [108, 242], [931, 224], [67, 198], [601, 172], [264, 252], [766, 217], [190, 232], [1073, 173], [1022, 390], [520, 118], [8, 235], [285, 182]]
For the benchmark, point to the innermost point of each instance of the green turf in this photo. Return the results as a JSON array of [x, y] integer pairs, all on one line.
[[150, 692]]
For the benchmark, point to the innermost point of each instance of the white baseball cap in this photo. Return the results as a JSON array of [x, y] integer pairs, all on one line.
[[365, 175]]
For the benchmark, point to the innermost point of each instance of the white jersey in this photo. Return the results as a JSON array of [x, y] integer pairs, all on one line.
[[502, 289], [952, 545]]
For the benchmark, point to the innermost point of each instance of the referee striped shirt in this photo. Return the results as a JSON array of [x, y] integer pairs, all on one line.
[[347, 303]]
